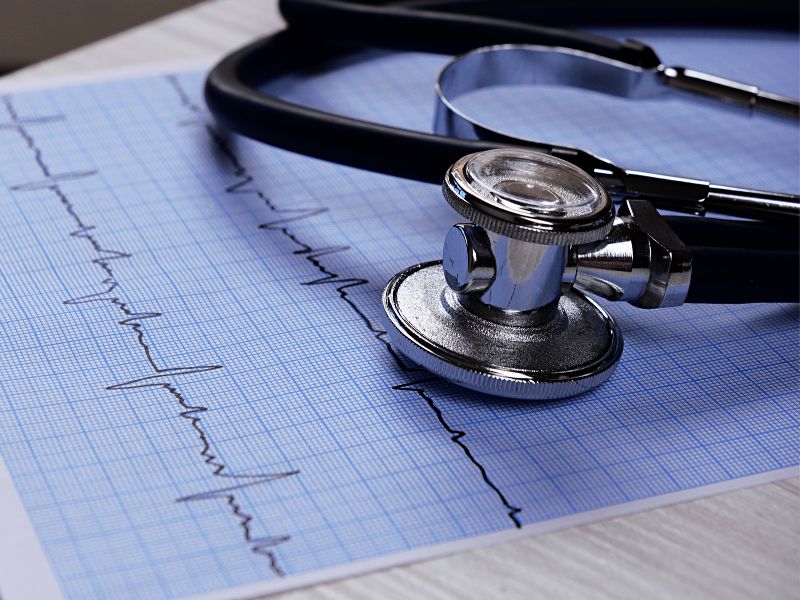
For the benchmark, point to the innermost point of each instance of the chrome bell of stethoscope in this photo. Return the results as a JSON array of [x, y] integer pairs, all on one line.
[[505, 312]]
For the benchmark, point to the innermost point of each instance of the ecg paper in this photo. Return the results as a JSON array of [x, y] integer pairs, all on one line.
[[198, 396]]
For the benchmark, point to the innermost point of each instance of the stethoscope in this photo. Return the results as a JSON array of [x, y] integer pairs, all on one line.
[[506, 310]]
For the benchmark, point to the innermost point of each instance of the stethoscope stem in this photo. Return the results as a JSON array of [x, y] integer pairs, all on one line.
[[728, 92], [694, 196], [755, 204]]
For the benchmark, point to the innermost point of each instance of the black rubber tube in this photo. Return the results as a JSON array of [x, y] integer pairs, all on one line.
[[728, 276], [235, 101], [726, 233], [771, 14], [387, 25]]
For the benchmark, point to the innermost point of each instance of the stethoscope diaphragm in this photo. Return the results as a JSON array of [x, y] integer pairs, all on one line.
[[575, 350]]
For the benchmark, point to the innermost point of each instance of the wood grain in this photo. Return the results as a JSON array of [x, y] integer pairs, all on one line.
[[744, 544]]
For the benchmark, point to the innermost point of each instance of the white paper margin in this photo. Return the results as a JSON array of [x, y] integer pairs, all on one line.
[[471, 543], [24, 569]]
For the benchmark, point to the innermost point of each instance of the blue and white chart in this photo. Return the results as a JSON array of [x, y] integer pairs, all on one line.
[[196, 392]]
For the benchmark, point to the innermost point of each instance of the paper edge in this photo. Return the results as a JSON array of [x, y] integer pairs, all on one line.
[[36, 83], [293, 582], [25, 571]]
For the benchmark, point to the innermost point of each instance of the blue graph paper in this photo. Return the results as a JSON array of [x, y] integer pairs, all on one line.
[[196, 391]]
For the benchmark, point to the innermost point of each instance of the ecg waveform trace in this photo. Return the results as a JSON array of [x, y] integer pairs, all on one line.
[[161, 377], [244, 185]]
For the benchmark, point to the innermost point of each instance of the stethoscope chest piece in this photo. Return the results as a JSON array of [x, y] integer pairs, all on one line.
[[574, 351], [494, 315]]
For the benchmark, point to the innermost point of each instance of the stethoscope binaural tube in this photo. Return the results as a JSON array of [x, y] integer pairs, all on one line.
[[233, 97]]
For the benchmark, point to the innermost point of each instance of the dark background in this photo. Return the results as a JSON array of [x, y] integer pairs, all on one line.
[[32, 30]]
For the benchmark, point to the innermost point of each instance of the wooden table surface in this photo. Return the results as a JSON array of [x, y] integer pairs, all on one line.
[[742, 544]]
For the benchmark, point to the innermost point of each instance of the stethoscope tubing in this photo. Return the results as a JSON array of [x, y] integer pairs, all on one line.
[[766, 256]]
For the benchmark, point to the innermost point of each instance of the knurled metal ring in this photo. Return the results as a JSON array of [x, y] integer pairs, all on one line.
[[540, 228]]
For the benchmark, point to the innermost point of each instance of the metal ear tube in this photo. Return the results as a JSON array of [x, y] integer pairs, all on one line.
[[505, 311]]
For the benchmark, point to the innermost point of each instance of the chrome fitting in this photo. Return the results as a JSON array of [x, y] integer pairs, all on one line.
[[526, 208], [641, 261]]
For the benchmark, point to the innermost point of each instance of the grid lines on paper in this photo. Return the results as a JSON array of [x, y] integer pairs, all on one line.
[[197, 392]]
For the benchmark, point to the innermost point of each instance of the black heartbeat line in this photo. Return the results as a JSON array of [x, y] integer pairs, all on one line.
[[159, 377], [245, 185]]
